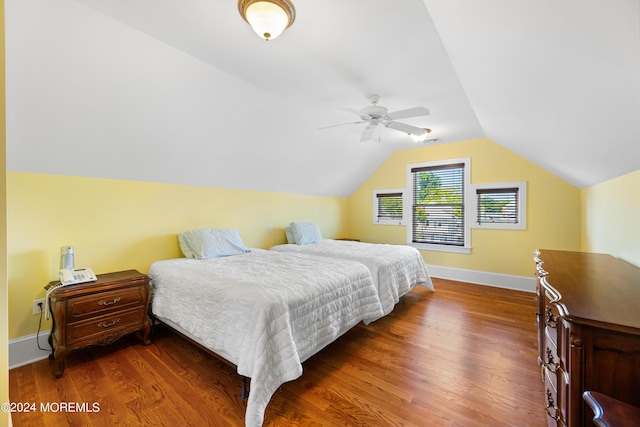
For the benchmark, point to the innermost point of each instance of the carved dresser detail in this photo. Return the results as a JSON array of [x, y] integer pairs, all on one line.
[[588, 319]]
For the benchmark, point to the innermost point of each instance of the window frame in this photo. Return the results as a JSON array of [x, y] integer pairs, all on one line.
[[522, 205], [468, 216], [375, 219]]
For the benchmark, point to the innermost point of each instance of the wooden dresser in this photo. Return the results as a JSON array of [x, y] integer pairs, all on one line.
[[98, 313], [588, 321]]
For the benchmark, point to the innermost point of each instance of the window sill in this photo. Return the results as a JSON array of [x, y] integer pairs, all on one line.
[[387, 222], [490, 226], [440, 248]]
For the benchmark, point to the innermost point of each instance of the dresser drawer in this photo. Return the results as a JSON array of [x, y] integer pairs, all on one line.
[[564, 397], [551, 319], [554, 417], [106, 324], [105, 301], [552, 367]]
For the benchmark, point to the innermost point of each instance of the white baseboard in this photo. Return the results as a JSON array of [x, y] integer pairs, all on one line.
[[24, 350], [506, 281]]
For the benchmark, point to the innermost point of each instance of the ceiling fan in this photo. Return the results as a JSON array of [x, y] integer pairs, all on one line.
[[375, 115]]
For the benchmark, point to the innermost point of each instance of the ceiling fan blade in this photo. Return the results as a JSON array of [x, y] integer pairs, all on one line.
[[411, 112], [402, 127], [342, 124], [367, 133], [353, 111]]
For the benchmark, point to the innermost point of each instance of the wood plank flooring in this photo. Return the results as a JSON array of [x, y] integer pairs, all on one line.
[[462, 356]]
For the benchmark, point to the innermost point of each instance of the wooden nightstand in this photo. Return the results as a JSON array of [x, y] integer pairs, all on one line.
[[98, 313]]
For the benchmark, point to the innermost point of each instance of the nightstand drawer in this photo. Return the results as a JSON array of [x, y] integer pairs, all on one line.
[[97, 326], [114, 300]]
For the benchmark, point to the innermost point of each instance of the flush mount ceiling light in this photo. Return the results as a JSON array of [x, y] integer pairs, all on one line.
[[268, 18]]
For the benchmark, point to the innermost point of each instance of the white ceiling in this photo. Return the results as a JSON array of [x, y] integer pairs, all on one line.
[[556, 82]]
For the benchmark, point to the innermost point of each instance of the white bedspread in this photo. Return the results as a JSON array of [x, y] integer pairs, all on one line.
[[395, 269], [264, 311]]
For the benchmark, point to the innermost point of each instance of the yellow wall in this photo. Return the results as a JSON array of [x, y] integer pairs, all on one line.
[[117, 225], [611, 217], [4, 303], [553, 208]]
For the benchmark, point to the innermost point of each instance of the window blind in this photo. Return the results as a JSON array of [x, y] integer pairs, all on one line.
[[389, 206], [438, 204], [497, 205]]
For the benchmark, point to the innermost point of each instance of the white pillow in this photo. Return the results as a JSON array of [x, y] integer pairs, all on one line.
[[204, 243], [305, 233], [289, 233]]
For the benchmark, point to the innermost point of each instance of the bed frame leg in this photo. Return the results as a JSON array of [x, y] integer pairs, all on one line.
[[244, 393]]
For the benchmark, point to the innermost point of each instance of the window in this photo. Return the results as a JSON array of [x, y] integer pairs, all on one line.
[[438, 200], [501, 205], [387, 207]]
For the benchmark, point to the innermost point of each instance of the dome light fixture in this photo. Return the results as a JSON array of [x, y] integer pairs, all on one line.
[[268, 18]]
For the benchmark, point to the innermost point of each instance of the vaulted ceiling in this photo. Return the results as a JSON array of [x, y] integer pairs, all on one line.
[[183, 91]]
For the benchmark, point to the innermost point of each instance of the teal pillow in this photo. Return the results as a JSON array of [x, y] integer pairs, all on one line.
[[205, 243], [305, 233]]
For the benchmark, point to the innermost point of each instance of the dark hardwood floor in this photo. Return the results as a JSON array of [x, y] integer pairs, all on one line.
[[462, 356]]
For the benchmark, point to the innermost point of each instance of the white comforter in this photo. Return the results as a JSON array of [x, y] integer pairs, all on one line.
[[395, 269], [264, 311]]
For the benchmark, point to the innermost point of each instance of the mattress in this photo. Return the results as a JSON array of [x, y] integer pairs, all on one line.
[[264, 311], [395, 269]]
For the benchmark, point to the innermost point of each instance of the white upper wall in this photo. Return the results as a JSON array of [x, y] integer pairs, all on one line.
[[90, 96], [183, 91], [557, 82]]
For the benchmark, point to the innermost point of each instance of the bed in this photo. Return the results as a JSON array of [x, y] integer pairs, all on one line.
[[265, 312], [395, 269]]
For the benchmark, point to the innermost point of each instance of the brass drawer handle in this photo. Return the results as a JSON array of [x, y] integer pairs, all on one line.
[[115, 300], [551, 405], [551, 364], [555, 416], [108, 325], [551, 321]]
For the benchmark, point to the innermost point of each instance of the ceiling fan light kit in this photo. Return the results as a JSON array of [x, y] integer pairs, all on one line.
[[268, 18], [423, 137]]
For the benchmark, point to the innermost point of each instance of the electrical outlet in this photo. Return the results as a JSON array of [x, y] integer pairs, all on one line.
[[36, 307]]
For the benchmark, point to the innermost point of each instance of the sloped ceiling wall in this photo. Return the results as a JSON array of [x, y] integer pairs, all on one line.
[[556, 82], [89, 96], [182, 91]]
